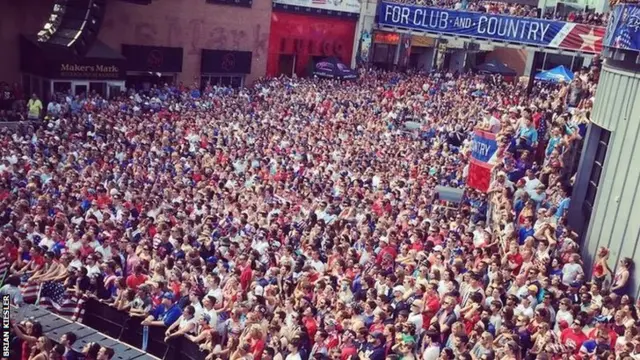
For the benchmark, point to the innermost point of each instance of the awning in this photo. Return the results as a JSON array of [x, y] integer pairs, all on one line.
[[155, 59], [557, 74], [54, 62], [496, 67]]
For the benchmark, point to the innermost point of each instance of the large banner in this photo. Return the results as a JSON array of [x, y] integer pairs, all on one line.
[[483, 158], [349, 6], [623, 31], [521, 30]]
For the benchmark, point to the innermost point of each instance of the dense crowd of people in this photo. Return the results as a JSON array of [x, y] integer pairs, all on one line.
[[587, 16], [299, 219]]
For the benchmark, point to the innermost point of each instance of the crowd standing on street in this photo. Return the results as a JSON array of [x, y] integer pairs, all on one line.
[[300, 219]]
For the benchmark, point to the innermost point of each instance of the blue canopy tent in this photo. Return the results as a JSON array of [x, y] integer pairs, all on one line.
[[557, 74], [334, 68]]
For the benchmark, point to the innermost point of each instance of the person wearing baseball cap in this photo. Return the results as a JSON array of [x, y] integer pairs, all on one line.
[[376, 349], [164, 314]]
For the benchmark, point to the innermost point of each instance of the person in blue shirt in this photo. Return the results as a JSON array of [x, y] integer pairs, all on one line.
[[597, 346], [538, 195], [164, 314], [525, 231], [528, 135], [375, 349], [555, 139], [563, 205]]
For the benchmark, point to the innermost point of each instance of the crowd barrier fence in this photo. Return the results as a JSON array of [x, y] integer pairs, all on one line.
[[120, 325], [54, 326]]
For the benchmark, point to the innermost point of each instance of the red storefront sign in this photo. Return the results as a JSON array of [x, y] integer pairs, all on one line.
[[304, 38]]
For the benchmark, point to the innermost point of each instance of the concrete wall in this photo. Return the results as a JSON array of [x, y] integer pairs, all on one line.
[[514, 58], [615, 220], [192, 25]]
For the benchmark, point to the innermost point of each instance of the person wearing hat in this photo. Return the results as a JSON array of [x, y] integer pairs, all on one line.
[[415, 315], [597, 346], [376, 349], [531, 181], [539, 195], [165, 314]]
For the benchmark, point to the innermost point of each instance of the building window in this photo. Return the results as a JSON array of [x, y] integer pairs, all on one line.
[[596, 173], [61, 87], [234, 81]]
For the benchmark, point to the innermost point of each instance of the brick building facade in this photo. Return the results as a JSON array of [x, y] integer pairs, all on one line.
[[192, 25]]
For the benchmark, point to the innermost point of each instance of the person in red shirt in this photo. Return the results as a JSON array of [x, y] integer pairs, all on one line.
[[386, 249], [309, 322], [136, 279], [37, 261], [247, 273], [333, 339], [435, 236], [513, 260], [86, 249], [573, 337], [10, 251], [348, 348], [602, 324], [431, 301], [378, 322], [256, 342]]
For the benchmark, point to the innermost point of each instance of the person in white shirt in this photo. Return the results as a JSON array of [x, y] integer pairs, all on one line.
[[186, 324], [431, 346], [104, 249], [531, 182], [524, 308], [294, 350], [415, 316], [261, 245], [571, 270], [213, 283], [93, 269], [12, 288], [208, 308], [317, 263], [53, 108], [195, 302], [564, 314]]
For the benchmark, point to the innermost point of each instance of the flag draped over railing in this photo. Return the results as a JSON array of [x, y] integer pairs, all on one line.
[[483, 153], [55, 298]]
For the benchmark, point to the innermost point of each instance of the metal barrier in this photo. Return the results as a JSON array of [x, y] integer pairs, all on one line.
[[125, 328], [54, 326]]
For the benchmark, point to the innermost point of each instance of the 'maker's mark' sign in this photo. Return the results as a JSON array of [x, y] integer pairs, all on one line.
[[97, 71]]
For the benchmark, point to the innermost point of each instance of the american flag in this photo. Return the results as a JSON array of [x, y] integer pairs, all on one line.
[[623, 40], [55, 299], [29, 292], [4, 264]]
